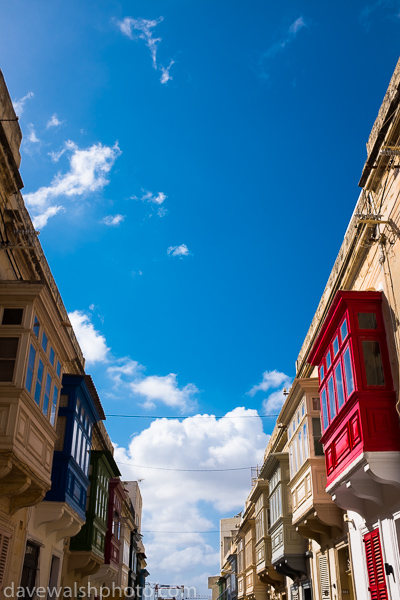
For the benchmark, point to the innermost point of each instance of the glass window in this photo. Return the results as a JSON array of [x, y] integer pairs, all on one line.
[[300, 449], [298, 417], [44, 341], [31, 369], [348, 372], [324, 409], [303, 410], [316, 404], [36, 327], [291, 462], [295, 456], [12, 316], [343, 330], [46, 399], [373, 362], [367, 321], [75, 431], [331, 397], [318, 447], [339, 385], [54, 405], [39, 378], [8, 355], [52, 356], [321, 372], [58, 368], [328, 360], [335, 346], [305, 441]]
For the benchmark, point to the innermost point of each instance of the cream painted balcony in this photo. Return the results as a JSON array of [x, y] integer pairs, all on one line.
[[315, 515], [34, 348]]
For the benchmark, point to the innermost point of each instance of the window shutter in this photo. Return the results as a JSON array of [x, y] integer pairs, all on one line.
[[375, 567], [4, 545], [324, 582]]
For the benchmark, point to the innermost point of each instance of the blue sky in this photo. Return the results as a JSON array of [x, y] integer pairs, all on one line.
[[192, 167]]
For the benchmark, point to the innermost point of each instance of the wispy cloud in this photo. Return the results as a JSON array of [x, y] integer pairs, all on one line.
[[113, 220], [370, 9], [40, 220], [141, 29], [88, 170], [281, 44], [165, 77], [180, 251], [92, 342], [32, 137], [150, 197], [54, 122], [19, 105], [272, 380]]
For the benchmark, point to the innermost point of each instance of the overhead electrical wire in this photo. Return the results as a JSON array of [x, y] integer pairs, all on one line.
[[168, 532], [184, 470], [192, 416]]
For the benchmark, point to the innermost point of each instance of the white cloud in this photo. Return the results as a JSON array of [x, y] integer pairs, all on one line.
[[177, 501], [55, 156], [165, 77], [166, 391], [291, 33], [91, 341], [153, 198], [19, 105], [40, 220], [113, 220], [88, 170], [180, 251], [32, 137], [124, 367], [54, 122], [272, 380], [141, 29]]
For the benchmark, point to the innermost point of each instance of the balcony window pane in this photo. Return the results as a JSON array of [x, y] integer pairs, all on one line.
[[316, 426], [46, 399], [331, 396], [339, 385], [36, 327], [31, 368], [295, 456], [58, 368], [8, 355], [324, 409], [300, 449], [335, 346], [367, 321], [316, 404], [12, 316], [321, 372], [328, 360], [52, 356], [44, 341], [373, 363], [38, 387], [348, 372], [343, 330], [54, 405], [305, 441], [78, 446]]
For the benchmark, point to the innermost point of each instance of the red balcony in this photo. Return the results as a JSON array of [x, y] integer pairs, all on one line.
[[358, 402]]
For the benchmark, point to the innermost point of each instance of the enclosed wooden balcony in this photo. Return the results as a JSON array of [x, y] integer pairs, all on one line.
[[315, 515], [361, 434]]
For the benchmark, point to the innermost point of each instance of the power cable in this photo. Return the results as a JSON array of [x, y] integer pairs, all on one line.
[[183, 470], [192, 416]]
